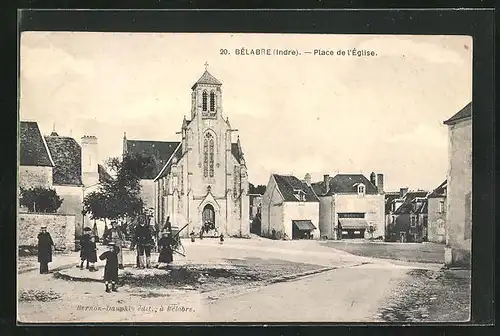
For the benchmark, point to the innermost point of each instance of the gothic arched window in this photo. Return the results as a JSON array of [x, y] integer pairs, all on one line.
[[208, 155], [212, 101], [204, 100]]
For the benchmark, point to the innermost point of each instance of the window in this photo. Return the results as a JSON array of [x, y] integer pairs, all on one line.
[[208, 155], [361, 189], [441, 206], [413, 221], [300, 195], [212, 101], [181, 179], [204, 100], [352, 215]]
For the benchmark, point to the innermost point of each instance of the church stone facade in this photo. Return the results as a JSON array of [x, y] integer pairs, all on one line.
[[205, 178]]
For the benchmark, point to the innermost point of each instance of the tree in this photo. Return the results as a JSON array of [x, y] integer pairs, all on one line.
[[260, 189], [40, 199], [119, 196]]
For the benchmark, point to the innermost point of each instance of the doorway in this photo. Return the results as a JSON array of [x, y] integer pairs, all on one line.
[[208, 218]]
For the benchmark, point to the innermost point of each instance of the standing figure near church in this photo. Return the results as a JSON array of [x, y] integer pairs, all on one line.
[[111, 268], [192, 236], [168, 225], [115, 235], [92, 254], [221, 238], [84, 247], [143, 239], [45, 244], [165, 246]]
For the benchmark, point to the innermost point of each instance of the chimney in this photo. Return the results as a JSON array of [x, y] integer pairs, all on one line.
[[373, 178], [307, 179], [124, 143], [326, 181], [402, 192], [380, 183], [90, 160]]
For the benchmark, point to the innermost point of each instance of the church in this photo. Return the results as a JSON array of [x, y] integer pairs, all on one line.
[[204, 178]]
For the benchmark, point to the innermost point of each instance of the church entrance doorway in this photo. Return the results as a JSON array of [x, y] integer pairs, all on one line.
[[208, 217]]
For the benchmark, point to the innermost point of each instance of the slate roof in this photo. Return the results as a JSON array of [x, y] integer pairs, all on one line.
[[288, 183], [345, 184], [103, 174], [161, 151], [33, 150], [464, 113], [207, 78], [409, 198], [440, 191], [165, 170], [67, 156], [235, 150]]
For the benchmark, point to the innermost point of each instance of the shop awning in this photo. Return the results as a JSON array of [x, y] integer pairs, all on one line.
[[353, 223], [303, 225]]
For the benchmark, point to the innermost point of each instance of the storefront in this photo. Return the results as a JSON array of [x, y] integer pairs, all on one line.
[[302, 229], [352, 227]]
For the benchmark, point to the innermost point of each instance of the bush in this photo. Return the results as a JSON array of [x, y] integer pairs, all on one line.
[[40, 199]]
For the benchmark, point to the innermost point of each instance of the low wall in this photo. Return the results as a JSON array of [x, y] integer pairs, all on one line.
[[60, 226]]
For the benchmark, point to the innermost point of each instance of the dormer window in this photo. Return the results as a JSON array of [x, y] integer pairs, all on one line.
[[361, 189], [300, 194]]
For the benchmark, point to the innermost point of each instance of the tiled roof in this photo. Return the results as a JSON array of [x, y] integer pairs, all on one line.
[[407, 206], [160, 151], [33, 150], [464, 113], [288, 185], [345, 183], [103, 174], [235, 150], [207, 78], [440, 191], [67, 156], [389, 199], [165, 170]]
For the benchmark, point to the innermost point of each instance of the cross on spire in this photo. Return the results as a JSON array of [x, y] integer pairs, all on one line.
[[206, 65]]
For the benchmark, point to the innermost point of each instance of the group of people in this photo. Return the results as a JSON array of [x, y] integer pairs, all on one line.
[[142, 240]]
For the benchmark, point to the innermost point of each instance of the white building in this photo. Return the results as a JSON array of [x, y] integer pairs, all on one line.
[[289, 207]]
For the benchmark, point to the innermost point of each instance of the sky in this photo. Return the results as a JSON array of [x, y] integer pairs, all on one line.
[[295, 114]]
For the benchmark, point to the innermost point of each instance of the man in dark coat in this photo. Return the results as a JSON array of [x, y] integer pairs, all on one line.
[[45, 244], [84, 246], [168, 225], [143, 239]]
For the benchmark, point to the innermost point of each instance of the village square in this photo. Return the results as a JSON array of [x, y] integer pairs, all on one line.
[[174, 230]]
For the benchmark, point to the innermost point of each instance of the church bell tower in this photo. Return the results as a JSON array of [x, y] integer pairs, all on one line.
[[206, 97]]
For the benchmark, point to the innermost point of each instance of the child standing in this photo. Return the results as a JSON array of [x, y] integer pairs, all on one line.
[[92, 254], [221, 239], [111, 268]]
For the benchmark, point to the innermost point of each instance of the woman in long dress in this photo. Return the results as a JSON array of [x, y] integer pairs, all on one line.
[[165, 246]]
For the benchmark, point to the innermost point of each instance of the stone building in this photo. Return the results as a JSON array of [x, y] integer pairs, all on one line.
[[459, 189], [290, 209], [407, 218], [351, 206], [437, 214], [35, 160], [204, 177]]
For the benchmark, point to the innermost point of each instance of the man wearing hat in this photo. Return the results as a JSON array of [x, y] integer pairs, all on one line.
[[45, 244], [143, 239], [116, 236]]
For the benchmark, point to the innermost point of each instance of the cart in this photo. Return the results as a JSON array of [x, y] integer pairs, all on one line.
[[177, 246]]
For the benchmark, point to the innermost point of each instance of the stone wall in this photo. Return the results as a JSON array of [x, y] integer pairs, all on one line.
[[60, 226], [35, 176], [459, 195], [436, 220]]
